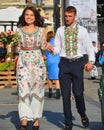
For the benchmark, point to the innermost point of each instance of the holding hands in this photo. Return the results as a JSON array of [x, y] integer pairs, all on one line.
[[49, 48]]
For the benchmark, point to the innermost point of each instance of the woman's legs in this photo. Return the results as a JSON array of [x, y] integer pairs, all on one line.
[[57, 89], [50, 88], [36, 122], [23, 125]]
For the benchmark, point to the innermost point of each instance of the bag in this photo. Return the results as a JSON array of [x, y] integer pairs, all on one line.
[[94, 72]]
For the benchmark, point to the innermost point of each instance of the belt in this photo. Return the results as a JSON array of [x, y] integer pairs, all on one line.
[[73, 59], [30, 48]]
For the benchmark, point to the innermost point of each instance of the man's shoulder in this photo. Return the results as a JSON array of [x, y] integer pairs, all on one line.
[[61, 28], [81, 27]]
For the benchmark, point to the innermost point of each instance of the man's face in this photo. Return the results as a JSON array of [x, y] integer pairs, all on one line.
[[69, 18]]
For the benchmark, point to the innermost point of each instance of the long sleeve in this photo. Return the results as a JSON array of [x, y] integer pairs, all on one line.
[[43, 39], [88, 46]]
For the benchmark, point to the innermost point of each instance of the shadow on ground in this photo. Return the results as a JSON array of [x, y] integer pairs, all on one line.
[[14, 118], [53, 117]]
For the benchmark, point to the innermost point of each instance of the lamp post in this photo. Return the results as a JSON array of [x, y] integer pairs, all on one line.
[[56, 14], [39, 3]]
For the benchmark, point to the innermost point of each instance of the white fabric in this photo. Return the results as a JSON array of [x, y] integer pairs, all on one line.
[[94, 72], [84, 43]]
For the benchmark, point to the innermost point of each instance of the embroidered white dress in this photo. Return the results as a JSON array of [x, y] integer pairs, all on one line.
[[31, 75]]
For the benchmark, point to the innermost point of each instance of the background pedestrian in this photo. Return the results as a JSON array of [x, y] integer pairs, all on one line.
[[52, 62]]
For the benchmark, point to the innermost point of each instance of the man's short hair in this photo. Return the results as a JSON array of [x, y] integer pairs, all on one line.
[[71, 9]]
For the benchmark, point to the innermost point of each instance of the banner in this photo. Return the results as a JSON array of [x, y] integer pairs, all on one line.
[[87, 16]]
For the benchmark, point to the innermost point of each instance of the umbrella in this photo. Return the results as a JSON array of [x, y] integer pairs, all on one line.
[[10, 14]]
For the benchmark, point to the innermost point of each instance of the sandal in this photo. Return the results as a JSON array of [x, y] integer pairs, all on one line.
[[35, 127], [23, 127]]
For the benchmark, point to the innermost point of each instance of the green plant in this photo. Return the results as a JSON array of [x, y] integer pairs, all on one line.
[[9, 37], [10, 54], [6, 65]]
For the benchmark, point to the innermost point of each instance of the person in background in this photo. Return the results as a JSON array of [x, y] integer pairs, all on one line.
[[94, 71], [30, 69], [98, 46], [70, 40], [100, 57], [3, 52], [52, 62], [30, 3]]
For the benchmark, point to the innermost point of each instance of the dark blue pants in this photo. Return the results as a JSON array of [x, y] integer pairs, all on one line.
[[71, 77]]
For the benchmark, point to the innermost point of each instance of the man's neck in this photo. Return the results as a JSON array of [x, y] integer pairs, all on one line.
[[71, 25]]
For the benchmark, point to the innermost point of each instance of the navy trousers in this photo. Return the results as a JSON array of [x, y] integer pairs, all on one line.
[[71, 78]]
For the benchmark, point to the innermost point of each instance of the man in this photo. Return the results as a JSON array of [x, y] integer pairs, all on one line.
[[70, 41]]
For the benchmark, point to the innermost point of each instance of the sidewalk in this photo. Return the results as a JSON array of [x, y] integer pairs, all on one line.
[[53, 112]]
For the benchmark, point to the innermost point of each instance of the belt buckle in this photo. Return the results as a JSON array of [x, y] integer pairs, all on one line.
[[70, 60]]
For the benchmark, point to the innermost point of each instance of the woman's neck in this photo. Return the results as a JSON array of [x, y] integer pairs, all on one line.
[[30, 28]]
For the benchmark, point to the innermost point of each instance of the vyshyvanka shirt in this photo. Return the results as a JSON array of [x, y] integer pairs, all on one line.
[[82, 43]]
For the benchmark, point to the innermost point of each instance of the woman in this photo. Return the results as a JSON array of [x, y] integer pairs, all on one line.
[[30, 70], [52, 62]]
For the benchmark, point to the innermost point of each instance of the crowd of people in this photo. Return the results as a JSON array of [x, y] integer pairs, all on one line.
[[63, 53]]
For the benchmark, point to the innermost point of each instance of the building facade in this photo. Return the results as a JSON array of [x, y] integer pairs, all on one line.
[[15, 3], [46, 9]]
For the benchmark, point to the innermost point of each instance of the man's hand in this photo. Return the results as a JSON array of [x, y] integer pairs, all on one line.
[[50, 48], [89, 66]]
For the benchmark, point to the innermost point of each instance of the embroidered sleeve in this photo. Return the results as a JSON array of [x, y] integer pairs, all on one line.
[[43, 39], [18, 46]]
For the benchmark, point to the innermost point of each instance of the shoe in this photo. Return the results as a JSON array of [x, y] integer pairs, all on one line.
[[23, 127], [35, 127], [93, 78], [67, 128], [85, 121], [57, 93], [50, 93]]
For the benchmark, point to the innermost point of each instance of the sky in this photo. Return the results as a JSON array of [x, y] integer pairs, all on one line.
[[34, 1]]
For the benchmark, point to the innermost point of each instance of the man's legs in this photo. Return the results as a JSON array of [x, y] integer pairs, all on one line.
[[65, 85], [78, 88]]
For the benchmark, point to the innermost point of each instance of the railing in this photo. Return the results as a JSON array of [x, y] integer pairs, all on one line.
[[5, 24]]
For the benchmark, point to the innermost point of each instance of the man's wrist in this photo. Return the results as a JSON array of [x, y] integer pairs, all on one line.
[[92, 62]]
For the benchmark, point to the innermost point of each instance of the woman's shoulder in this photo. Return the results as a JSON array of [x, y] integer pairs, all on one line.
[[18, 29]]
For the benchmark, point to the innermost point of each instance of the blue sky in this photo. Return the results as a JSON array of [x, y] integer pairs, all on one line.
[[34, 1]]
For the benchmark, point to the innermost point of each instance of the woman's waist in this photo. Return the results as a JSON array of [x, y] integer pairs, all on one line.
[[30, 48]]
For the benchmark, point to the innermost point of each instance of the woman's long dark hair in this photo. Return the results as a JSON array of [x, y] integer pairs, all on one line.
[[39, 20]]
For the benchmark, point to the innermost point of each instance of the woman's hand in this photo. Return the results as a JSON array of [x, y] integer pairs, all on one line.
[[50, 48]]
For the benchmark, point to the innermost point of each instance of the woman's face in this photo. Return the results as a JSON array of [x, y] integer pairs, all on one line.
[[29, 17]]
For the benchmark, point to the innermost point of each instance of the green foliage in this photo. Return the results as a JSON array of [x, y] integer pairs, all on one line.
[[10, 54], [9, 37], [6, 65]]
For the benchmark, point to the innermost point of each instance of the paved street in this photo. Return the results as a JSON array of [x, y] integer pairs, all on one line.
[[53, 114]]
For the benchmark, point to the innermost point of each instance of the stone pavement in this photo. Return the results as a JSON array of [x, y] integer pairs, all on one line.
[[53, 118]]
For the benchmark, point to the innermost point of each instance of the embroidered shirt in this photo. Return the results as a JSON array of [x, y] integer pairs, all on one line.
[[84, 43]]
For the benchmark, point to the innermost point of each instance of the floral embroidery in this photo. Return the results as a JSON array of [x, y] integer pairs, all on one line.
[[71, 40]]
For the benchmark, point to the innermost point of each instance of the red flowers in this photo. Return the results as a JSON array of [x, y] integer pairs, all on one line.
[[9, 37]]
